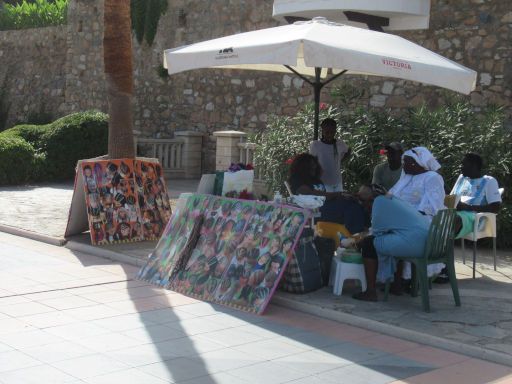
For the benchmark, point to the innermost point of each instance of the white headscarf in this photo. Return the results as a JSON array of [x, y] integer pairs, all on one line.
[[424, 158]]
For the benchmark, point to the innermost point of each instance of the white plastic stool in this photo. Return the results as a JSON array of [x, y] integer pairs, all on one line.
[[345, 271]]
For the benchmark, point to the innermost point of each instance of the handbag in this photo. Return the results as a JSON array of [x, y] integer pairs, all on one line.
[[303, 273]]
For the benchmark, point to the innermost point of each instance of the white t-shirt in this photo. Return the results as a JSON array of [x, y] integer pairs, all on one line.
[[330, 162], [481, 191]]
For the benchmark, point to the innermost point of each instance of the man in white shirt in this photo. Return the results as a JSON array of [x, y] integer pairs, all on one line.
[[477, 192], [330, 153]]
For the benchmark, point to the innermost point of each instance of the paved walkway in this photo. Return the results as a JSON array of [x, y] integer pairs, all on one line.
[[482, 327], [69, 317]]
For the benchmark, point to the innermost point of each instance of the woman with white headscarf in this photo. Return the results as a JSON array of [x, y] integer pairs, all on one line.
[[420, 185], [400, 222]]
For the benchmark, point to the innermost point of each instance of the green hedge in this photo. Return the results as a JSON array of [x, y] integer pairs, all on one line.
[[33, 14], [71, 138], [53, 148], [17, 163]]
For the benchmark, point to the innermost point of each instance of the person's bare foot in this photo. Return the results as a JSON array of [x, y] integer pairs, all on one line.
[[365, 296]]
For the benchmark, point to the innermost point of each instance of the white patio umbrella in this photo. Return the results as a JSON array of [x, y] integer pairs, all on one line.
[[310, 48]]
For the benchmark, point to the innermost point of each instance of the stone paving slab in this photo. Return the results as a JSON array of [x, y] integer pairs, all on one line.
[[100, 326], [42, 209]]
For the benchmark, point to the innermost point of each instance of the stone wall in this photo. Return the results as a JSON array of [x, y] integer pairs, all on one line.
[[85, 84], [476, 33], [32, 72]]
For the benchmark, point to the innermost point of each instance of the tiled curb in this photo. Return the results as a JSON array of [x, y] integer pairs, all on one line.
[[58, 241], [391, 330]]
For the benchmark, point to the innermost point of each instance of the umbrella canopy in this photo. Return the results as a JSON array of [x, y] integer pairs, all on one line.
[[309, 48]]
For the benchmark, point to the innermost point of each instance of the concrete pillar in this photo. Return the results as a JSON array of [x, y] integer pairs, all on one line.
[[192, 153], [227, 148]]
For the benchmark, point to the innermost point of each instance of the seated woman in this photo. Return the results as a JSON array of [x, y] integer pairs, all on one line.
[[423, 188], [420, 185], [397, 230], [420, 189], [304, 179]]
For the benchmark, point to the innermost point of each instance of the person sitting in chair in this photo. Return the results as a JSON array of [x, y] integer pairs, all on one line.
[[398, 229], [341, 208], [478, 193]]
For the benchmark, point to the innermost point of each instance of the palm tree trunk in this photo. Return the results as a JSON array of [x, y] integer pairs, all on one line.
[[117, 57]]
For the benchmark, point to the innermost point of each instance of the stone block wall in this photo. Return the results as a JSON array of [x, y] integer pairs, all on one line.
[[475, 33], [32, 71]]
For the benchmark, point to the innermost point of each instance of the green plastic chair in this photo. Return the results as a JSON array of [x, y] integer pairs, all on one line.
[[439, 249]]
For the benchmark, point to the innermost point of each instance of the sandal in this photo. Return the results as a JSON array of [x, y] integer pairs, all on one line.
[[364, 296]]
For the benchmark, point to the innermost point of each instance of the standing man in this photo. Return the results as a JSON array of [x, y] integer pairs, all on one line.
[[388, 173], [330, 153]]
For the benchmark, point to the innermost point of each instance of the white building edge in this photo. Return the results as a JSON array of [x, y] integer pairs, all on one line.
[[386, 15]]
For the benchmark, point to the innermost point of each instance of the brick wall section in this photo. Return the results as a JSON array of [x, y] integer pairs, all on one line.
[[476, 33]]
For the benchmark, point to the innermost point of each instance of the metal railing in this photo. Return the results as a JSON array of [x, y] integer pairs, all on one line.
[[168, 151]]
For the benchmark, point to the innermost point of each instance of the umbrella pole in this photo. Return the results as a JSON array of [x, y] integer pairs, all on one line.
[[317, 88]]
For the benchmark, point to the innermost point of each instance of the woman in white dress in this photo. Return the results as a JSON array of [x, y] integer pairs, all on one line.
[[422, 187]]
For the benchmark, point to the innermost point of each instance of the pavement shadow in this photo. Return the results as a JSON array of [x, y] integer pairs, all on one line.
[[171, 353], [181, 330]]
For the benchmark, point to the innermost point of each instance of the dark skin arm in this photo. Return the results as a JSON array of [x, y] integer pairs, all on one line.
[[492, 208]]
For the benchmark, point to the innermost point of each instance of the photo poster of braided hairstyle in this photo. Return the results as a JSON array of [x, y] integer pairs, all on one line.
[[240, 253]]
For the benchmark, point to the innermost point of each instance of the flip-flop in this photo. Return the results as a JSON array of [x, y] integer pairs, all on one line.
[[363, 297]]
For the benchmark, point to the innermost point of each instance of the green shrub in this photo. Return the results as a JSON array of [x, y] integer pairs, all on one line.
[[56, 147], [16, 160], [31, 133], [34, 14], [71, 138]]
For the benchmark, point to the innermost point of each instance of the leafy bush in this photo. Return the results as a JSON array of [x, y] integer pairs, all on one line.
[[449, 132], [31, 133], [56, 147], [71, 138], [33, 14], [16, 160]]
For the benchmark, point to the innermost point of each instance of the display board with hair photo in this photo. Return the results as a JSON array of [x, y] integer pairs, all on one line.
[[153, 198], [161, 261], [240, 254], [119, 207]]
